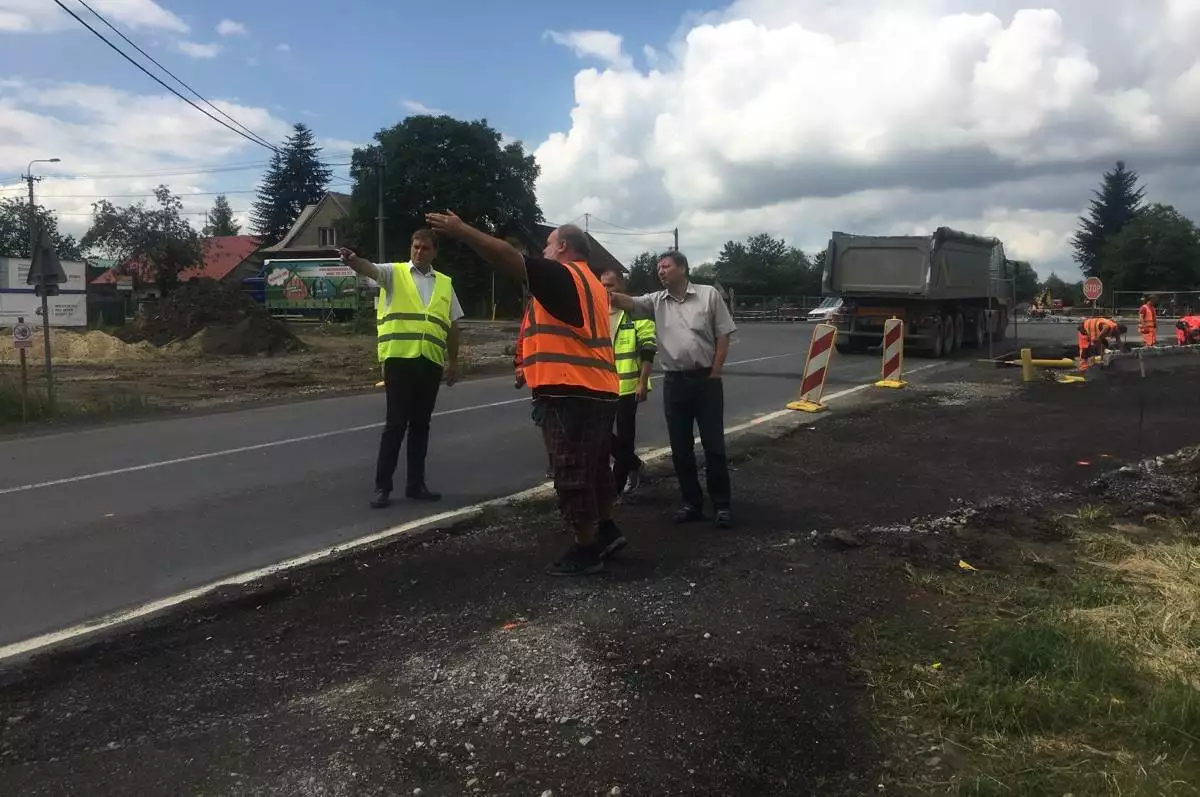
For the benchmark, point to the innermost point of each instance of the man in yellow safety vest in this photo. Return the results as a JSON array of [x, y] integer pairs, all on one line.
[[417, 332], [634, 347]]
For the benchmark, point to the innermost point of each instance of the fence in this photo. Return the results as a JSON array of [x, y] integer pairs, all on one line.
[[778, 309]]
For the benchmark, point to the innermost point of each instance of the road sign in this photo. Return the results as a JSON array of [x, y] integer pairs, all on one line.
[[22, 336], [46, 268], [1092, 289]]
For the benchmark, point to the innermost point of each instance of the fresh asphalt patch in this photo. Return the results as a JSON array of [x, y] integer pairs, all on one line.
[[702, 662]]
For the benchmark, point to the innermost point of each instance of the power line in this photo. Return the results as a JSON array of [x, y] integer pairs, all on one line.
[[155, 174], [174, 77], [145, 196], [159, 81], [628, 230], [631, 234]]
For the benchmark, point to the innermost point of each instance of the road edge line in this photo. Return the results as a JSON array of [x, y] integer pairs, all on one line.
[[51, 639]]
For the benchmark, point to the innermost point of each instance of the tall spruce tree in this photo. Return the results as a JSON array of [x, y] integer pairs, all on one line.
[[220, 219], [1113, 206], [295, 179]]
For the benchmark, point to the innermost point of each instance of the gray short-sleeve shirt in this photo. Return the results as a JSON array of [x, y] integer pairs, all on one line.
[[688, 328]]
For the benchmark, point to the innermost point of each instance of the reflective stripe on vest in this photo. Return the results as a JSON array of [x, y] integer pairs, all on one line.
[[628, 354], [555, 354], [406, 328]]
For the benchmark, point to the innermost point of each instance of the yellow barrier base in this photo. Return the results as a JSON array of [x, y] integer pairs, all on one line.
[[894, 384], [806, 406], [1069, 379], [379, 384]]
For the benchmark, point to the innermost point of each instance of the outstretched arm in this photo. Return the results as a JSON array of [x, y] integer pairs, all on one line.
[[495, 252]]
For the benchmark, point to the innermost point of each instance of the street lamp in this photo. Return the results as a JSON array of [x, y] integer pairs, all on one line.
[[29, 178]]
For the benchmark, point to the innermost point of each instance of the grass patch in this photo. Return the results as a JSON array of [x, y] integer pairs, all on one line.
[[1084, 680], [38, 409]]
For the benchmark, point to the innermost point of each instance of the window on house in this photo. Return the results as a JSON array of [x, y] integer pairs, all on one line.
[[328, 236]]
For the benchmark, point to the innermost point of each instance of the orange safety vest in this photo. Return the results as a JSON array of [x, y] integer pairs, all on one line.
[[1096, 326], [554, 354], [1192, 322], [517, 359], [1148, 323]]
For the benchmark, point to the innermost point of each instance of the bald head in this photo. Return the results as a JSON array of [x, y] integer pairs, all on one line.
[[567, 243]]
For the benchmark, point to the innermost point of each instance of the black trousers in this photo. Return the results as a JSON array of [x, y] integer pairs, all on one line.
[[691, 399], [624, 442], [412, 387]]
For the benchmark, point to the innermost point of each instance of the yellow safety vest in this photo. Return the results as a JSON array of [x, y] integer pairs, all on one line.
[[406, 327], [633, 338]]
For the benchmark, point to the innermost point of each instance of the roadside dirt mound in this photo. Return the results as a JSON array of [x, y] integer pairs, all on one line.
[[214, 318], [93, 346]]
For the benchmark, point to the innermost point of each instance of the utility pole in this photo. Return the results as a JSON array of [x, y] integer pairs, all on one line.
[[676, 232], [587, 219], [33, 246], [379, 217]]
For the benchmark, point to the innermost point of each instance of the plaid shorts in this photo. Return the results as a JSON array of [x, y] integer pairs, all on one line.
[[578, 434]]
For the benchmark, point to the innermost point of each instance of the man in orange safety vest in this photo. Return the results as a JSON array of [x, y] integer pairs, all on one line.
[[1187, 330], [1148, 321]]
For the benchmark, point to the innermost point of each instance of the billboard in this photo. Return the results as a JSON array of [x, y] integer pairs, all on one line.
[[17, 299], [324, 284]]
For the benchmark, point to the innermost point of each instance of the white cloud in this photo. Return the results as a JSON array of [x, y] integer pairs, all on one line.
[[39, 15], [420, 108], [599, 44], [120, 143], [798, 117], [228, 27], [283, 47], [199, 50]]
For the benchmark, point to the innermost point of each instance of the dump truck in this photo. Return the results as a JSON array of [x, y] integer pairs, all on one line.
[[950, 288]]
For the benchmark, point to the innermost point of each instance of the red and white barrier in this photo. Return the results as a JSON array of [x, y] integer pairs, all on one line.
[[893, 354], [816, 369]]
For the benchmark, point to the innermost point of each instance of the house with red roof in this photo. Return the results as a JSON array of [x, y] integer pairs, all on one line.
[[227, 258]]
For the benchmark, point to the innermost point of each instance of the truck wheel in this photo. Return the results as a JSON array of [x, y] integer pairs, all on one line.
[[981, 330], [939, 338], [849, 348], [958, 332]]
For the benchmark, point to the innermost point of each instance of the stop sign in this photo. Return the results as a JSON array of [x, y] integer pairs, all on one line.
[[1092, 289]]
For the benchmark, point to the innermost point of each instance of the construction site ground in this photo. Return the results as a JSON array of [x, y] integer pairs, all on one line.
[[96, 374], [703, 662]]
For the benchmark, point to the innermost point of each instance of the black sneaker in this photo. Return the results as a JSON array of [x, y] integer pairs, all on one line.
[[723, 519], [610, 539], [688, 514], [635, 478], [381, 499], [578, 561]]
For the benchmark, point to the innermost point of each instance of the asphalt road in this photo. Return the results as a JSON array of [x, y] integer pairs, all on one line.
[[99, 520]]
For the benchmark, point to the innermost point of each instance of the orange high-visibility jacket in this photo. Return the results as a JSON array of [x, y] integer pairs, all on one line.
[[1096, 327], [554, 354], [1186, 327]]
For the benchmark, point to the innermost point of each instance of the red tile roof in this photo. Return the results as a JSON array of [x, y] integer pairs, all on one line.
[[222, 255]]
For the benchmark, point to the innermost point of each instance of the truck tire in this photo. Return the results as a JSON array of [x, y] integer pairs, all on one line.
[[957, 334], [849, 348], [981, 330], [939, 341]]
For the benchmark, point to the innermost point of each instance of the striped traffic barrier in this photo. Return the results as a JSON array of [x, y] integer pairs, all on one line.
[[892, 374], [816, 368]]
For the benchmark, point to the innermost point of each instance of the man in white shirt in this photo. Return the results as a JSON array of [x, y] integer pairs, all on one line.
[[694, 328], [418, 345]]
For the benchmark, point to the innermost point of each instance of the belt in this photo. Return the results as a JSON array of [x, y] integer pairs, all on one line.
[[689, 373]]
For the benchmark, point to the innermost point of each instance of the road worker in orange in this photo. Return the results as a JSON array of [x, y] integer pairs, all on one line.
[[1148, 321], [538, 412], [1095, 335], [1187, 330], [567, 359]]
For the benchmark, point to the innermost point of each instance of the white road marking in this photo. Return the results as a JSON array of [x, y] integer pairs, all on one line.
[[44, 641], [288, 441]]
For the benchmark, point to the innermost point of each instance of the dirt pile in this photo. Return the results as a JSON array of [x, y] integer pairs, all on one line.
[[71, 346], [214, 318]]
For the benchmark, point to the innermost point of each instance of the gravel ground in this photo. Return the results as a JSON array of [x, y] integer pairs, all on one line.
[[704, 662]]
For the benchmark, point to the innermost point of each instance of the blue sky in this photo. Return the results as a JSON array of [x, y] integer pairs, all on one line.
[[349, 66]]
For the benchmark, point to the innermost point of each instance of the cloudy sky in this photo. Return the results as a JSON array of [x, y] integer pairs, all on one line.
[[794, 117]]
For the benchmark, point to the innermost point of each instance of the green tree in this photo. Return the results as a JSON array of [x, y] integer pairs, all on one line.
[[766, 266], [1070, 293], [643, 274], [151, 244], [14, 230], [1026, 281], [705, 273], [1113, 206], [436, 162], [295, 179], [220, 220], [1158, 251]]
